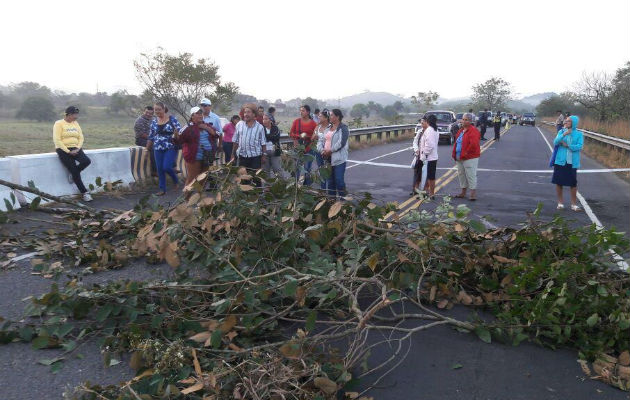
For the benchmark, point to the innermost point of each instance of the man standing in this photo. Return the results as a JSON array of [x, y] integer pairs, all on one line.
[[559, 121], [315, 116], [483, 123], [497, 126], [211, 118], [249, 140], [142, 129]]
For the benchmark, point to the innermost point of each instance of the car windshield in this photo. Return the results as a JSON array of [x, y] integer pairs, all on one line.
[[442, 117], [459, 116], [528, 115]]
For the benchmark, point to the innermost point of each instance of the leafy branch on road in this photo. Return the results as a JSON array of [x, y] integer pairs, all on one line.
[[277, 290]]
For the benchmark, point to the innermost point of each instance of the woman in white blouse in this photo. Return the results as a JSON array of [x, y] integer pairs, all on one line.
[[429, 151]]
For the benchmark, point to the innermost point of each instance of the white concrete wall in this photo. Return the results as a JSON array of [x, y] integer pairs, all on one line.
[[50, 176], [5, 192]]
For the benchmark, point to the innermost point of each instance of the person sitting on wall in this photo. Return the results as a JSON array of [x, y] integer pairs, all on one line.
[[68, 139]]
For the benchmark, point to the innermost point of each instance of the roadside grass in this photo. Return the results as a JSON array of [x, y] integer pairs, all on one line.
[[606, 154], [619, 128]]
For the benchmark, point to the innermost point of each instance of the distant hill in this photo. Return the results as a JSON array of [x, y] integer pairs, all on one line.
[[382, 98], [535, 99]]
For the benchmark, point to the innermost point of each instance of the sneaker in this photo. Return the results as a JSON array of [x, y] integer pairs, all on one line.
[[70, 178], [87, 197], [560, 206], [575, 208]]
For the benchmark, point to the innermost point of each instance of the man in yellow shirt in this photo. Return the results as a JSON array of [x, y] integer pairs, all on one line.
[[68, 139]]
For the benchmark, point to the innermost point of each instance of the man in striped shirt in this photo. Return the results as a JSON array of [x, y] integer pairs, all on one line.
[[249, 140]]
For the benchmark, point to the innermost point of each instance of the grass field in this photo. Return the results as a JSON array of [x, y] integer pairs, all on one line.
[[100, 130]]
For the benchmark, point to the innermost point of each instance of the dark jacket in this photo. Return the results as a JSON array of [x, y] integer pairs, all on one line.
[[189, 140], [274, 137]]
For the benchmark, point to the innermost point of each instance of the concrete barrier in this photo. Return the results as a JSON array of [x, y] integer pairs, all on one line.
[[5, 192], [50, 176]]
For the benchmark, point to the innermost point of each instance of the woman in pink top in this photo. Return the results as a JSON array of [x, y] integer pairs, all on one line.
[[324, 137], [228, 133]]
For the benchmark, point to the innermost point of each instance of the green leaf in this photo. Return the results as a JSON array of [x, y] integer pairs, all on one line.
[[31, 184], [483, 334], [290, 288], [103, 313], [12, 198], [49, 361], [310, 321], [457, 366], [624, 324], [215, 339], [69, 346], [40, 342], [56, 367], [592, 320], [35, 202], [601, 290], [26, 333], [99, 181], [8, 205], [477, 226], [63, 330]]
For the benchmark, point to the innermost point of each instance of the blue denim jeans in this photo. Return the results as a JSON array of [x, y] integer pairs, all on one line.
[[164, 161], [336, 183]]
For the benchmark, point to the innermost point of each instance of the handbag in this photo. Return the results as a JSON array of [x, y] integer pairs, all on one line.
[[552, 160]]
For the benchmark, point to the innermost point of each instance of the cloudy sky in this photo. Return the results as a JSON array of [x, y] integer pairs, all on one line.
[[324, 49]]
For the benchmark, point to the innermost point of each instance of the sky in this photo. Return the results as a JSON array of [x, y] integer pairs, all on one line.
[[324, 49]]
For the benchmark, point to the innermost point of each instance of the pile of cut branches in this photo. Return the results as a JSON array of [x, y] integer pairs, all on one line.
[[271, 279]]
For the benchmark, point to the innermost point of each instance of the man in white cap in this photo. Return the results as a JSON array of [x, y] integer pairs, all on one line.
[[211, 118]]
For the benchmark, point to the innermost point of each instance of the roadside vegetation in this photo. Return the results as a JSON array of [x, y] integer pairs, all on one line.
[[270, 282]]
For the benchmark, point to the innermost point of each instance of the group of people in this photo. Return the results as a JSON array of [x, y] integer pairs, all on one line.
[[251, 139], [465, 153], [483, 122]]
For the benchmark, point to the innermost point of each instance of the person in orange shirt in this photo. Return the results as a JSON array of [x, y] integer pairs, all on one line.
[[302, 131]]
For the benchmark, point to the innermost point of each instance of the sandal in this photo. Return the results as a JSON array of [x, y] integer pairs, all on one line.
[[459, 196], [575, 208], [473, 199], [560, 206]]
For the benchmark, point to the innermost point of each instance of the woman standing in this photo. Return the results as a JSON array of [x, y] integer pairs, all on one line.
[[161, 141], [428, 151], [273, 149], [466, 152], [68, 139], [302, 131], [570, 142], [417, 164], [335, 149], [320, 131], [195, 142], [228, 134]]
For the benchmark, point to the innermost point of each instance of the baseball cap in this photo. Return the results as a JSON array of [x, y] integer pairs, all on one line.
[[205, 102], [72, 110], [194, 110]]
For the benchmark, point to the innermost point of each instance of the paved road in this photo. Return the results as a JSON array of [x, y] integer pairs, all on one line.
[[489, 371], [504, 195]]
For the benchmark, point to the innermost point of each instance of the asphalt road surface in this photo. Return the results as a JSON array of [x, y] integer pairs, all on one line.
[[440, 363]]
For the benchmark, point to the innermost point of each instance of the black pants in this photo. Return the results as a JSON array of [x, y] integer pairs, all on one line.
[[483, 130], [497, 130], [252, 164], [70, 162]]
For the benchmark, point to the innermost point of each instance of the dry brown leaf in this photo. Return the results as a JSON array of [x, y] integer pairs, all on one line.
[[246, 188], [286, 219], [504, 260], [325, 385], [334, 209], [196, 363], [372, 261], [291, 350], [11, 255], [193, 388], [584, 366], [624, 358], [319, 205], [234, 347], [194, 199], [229, 323], [200, 337], [403, 258], [464, 298], [507, 279], [351, 395], [300, 295], [136, 361], [432, 293], [414, 246], [232, 334]]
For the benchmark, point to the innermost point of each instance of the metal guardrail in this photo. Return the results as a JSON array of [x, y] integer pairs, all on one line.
[[611, 140], [366, 134]]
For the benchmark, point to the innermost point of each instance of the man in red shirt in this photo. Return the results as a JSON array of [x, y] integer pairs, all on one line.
[[302, 131]]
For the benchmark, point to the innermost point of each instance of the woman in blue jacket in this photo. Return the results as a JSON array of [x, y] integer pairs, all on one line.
[[570, 142]]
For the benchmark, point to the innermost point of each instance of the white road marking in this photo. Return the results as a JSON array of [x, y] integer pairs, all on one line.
[[589, 211], [534, 171], [376, 158]]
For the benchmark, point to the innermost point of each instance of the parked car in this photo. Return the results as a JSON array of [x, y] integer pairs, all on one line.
[[446, 123], [528, 119]]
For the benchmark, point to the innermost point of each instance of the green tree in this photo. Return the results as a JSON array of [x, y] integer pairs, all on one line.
[[621, 91], [492, 94], [181, 82], [313, 103], [398, 106], [425, 100], [24, 90], [390, 114], [359, 110], [375, 107], [37, 108], [563, 102]]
